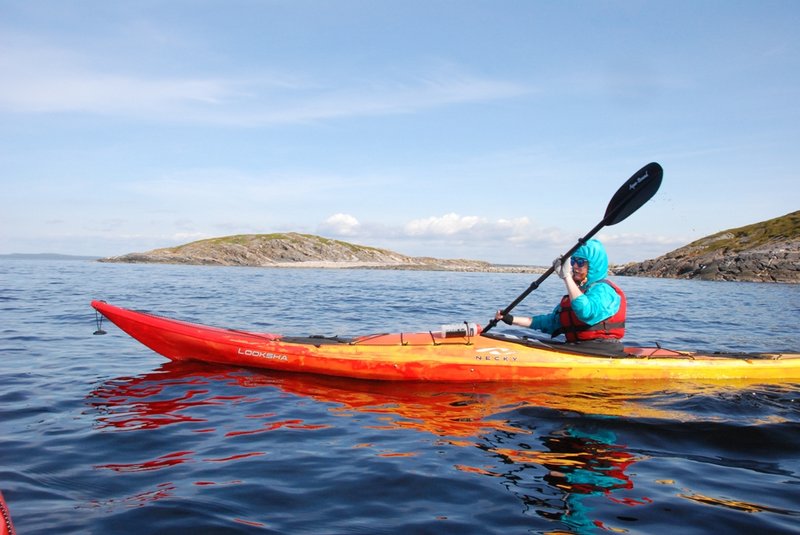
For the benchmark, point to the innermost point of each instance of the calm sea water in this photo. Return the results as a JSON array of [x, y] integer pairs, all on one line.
[[100, 435]]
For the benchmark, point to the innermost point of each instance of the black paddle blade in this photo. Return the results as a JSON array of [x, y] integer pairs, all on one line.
[[634, 193]]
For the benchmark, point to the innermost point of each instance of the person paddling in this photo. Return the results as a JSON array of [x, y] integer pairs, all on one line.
[[594, 308]]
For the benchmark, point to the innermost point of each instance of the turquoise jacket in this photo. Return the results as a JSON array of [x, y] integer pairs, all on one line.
[[598, 302]]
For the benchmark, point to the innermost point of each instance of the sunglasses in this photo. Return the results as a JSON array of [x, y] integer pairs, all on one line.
[[580, 262]]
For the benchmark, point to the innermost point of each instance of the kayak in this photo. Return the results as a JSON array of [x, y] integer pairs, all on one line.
[[460, 353], [6, 527]]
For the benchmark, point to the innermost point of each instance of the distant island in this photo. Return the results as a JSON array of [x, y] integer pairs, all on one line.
[[768, 251], [46, 256], [303, 250]]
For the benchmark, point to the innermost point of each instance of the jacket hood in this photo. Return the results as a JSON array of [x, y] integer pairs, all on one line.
[[595, 253]]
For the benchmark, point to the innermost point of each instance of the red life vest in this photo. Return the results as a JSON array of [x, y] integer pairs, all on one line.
[[575, 330]]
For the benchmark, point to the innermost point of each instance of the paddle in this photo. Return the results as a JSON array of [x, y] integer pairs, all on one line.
[[636, 191]]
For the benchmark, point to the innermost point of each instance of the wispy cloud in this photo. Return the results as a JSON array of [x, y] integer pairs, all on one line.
[[209, 186], [40, 79]]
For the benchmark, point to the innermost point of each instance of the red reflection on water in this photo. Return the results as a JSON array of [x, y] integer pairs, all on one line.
[[272, 426], [161, 398], [236, 457], [461, 410], [161, 491], [397, 454], [139, 396], [249, 523], [631, 502], [217, 483], [170, 459], [178, 393]]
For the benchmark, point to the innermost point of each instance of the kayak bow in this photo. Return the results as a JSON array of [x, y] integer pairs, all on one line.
[[6, 526], [464, 355]]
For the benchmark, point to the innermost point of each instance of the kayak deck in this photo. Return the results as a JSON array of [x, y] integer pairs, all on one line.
[[432, 338], [438, 356]]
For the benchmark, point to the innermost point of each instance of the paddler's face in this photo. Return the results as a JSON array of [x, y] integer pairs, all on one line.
[[580, 269]]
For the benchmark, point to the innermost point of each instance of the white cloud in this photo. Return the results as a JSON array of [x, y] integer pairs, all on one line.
[[340, 225], [454, 225], [516, 240], [446, 225]]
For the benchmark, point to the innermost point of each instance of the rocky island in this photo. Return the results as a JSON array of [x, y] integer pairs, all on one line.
[[768, 251], [763, 252], [302, 250]]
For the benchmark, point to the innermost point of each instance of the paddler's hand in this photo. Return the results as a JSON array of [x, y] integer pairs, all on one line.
[[562, 268], [508, 319]]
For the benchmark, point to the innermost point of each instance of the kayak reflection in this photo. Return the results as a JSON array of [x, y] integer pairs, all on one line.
[[176, 392], [549, 444]]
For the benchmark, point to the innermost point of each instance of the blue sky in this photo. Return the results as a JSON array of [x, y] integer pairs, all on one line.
[[493, 130]]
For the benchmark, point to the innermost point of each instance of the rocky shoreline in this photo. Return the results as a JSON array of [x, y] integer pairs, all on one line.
[[764, 252], [774, 262]]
